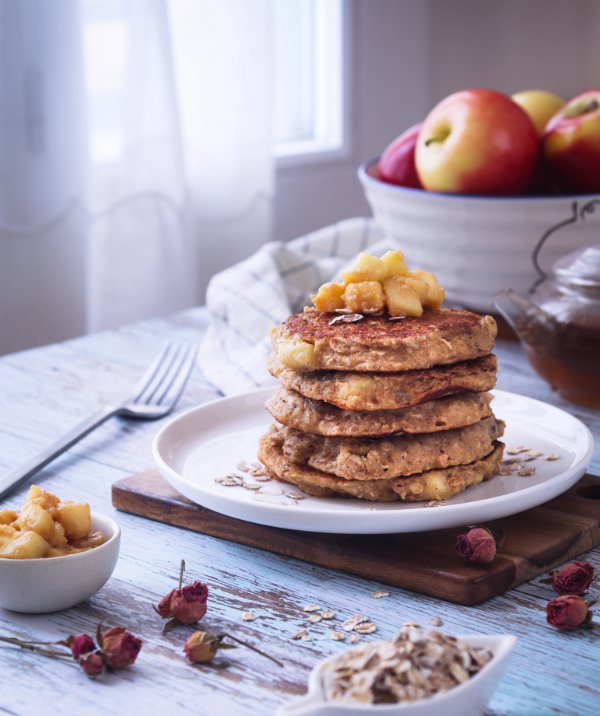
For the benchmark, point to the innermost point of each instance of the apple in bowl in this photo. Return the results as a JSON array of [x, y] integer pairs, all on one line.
[[540, 105], [571, 144], [477, 141], [397, 163]]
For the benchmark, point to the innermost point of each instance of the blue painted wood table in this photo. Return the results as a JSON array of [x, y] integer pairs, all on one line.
[[47, 390]]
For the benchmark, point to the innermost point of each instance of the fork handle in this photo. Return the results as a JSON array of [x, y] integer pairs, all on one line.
[[19, 475]]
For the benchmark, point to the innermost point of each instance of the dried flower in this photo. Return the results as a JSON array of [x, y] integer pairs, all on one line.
[[80, 645], [202, 647], [568, 612], [92, 664], [574, 578], [119, 647], [115, 649], [187, 605], [477, 545]]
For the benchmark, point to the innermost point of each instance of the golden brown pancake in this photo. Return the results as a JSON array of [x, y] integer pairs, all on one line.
[[382, 458], [319, 341], [437, 484], [387, 391], [320, 418]]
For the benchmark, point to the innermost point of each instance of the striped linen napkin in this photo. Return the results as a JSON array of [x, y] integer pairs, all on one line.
[[246, 300]]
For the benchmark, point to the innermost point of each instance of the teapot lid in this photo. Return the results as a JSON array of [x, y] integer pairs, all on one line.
[[581, 267]]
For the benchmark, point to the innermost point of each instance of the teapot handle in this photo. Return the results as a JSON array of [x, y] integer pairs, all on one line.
[[577, 213]]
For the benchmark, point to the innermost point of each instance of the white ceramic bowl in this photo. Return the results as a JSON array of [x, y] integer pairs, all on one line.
[[39, 586], [477, 245], [467, 699]]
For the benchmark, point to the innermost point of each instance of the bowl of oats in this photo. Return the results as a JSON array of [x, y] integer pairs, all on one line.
[[418, 673]]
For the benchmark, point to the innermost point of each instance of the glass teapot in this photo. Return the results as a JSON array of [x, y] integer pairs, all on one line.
[[560, 326]]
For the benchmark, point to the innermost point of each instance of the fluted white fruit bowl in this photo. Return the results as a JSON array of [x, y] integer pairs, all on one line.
[[479, 245]]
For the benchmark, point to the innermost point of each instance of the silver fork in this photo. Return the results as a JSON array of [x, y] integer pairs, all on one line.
[[153, 397]]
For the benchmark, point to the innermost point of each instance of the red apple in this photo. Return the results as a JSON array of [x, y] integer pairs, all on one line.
[[397, 163], [477, 141], [571, 144]]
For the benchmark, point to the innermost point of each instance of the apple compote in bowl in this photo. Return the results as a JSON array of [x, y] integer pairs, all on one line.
[[54, 553], [480, 245]]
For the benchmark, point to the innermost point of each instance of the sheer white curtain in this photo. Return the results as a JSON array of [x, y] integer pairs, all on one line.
[[134, 157]]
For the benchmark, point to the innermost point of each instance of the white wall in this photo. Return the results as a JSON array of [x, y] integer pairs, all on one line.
[[409, 54]]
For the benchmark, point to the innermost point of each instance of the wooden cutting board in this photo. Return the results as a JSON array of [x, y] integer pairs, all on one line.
[[426, 562]]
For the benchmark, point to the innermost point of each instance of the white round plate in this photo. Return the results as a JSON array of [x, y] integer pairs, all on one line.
[[201, 445]]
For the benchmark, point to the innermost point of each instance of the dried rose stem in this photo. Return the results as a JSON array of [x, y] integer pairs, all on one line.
[[253, 648], [181, 571], [33, 646]]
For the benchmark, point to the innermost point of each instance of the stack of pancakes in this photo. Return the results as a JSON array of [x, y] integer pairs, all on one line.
[[383, 409]]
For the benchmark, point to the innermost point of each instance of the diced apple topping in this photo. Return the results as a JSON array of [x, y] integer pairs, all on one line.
[[375, 284]]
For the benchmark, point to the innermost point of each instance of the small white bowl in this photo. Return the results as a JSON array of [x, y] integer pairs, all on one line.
[[40, 586], [479, 245], [467, 699]]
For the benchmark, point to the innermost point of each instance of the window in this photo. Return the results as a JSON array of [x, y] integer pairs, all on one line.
[[309, 91]]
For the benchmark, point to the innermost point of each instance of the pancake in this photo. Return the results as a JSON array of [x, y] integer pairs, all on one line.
[[323, 341], [432, 485], [317, 417], [381, 458], [387, 391]]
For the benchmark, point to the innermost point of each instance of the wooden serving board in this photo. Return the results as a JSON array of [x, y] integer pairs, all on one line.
[[426, 562]]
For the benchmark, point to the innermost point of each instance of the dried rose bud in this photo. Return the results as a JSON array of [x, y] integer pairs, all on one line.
[[164, 606], [202, 647], [477, 545], [119, 647], [187, 605], [80, 644], [567, 612], [574, 578], [92, 664]]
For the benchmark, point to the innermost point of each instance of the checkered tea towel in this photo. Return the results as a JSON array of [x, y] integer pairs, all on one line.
[[248, 299]]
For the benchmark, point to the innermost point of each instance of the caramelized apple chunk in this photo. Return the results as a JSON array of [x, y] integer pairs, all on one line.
[[329, 297], [366, 268], [401, 298], [436, 293], [75, 519], [24, 545], [7, 516], [364, 297], [396, 265], [36, 519]]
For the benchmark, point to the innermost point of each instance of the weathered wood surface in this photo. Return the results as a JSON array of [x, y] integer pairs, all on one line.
[[426, 562], [45, 391]]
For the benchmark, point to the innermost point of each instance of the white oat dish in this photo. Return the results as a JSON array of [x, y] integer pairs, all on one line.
[[419, 673]]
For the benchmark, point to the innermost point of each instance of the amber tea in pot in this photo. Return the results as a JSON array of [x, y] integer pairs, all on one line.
[[560, 326]]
